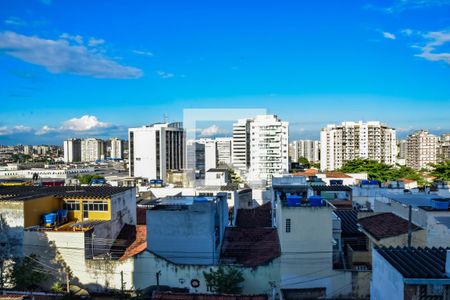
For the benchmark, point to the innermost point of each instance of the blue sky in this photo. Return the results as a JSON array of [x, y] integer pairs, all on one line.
[[82, 68]]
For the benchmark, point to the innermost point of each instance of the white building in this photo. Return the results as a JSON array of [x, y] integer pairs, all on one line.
[[352, 140], [116, 148], [72, 150], [268, 147], [210, 154], [241, 145], [92, 149], [308, 149], [224, 150], [155, 149], [422, 148]]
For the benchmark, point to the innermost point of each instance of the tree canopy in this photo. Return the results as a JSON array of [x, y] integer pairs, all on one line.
[[381, 171], [225, 280], [87, 178], [27, 273], [441, 170]]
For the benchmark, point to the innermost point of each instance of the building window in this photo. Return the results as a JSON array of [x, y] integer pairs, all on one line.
[[96, 206], [288, 225], [72, 205]]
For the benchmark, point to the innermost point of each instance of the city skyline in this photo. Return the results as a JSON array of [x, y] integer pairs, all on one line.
[[310, 64]]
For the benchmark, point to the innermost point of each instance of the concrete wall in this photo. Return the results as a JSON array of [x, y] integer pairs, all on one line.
[[387, 282], [192, 229], [11, 231]]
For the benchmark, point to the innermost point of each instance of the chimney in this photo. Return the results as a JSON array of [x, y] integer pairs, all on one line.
[[447, 263]]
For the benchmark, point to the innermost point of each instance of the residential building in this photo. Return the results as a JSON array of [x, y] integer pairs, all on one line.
[[241, 145], [195, 158], [210, 154], [444, 147], [268, 147], [308, 242], [308, 149], [92, 149], [224, 151], [195, 224], [27, 150], [402, 147], [410, 273], [356, 140], [156, 149], [116, 148], [72, 150], [422, 149]]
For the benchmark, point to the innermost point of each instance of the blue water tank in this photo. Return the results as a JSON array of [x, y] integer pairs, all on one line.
[[200, 199], [293, 200], [315, 201], [364, 181], [374, 182], [441, 204], [62, 215], [49, 219]]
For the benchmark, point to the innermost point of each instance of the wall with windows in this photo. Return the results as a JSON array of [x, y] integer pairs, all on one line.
[[94, 209]]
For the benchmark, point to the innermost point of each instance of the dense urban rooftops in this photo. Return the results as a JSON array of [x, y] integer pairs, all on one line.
[[385, 225], [21, 193]]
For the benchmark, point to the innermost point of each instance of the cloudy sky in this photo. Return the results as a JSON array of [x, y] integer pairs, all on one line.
[[95, 68]]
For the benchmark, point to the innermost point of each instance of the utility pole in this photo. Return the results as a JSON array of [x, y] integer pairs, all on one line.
[[67, 282], [409, 225], [157, 280], [121, 284]]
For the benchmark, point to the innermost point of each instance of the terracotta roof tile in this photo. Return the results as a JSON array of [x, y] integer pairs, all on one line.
[[385, 225], [309, 172], [250, 246], [130, 241], [336, 174]]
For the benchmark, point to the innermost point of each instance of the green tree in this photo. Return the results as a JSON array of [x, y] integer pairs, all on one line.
[[225, 280], [441, 170], [87, 178], [304, 162], [27, 273]]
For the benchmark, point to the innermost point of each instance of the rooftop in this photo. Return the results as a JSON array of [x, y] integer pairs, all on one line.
[[416, 200], [256, 217], [385, 225], [417, 262], [336, 174], [331, 188], [349, 219], [250, 246], [174, 202], [19, 192], [186, 296]]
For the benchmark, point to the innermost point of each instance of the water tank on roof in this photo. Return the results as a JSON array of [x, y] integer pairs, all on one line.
[[439, 203], [49, 219], [200, 199], [374, 182], [364, 182], [293, 200], [316, 201]]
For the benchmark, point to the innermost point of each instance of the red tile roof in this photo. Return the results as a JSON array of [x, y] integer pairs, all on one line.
[[139, 244], [250, 246], [256, 217], [385, 225], [130, 241], [184, 296], [309, 172], [336, 174], [141, 215]]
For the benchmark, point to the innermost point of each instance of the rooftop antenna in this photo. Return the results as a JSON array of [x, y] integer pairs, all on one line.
[[165, 118]]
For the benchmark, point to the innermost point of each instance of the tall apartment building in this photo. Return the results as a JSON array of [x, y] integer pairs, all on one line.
[[210, 154], [92, 149], [422, 149], [402, 147], [308, 149], [444, 147], [224, 150], [116, 148], [241, 145], [72, 150], [268, 147], [352, 140], [156, 149]]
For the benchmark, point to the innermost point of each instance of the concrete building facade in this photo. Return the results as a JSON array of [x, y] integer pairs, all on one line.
[[352, 140], [92, 149], [155, 149], [308, 149], [422, 149], [72, 150]]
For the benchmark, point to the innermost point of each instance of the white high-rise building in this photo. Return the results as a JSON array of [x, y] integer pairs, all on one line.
[[92, 149], [156, 149], [72, 150], [352, 140], [308, 149], [116, 151], [422, 149], [224, 150], [210, 154], [268, 147], [241, 145]]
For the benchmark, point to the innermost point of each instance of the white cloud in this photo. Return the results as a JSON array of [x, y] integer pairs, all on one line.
[[164, 74], [407, 31], [59, 56], [430, 50], [5, 130], [145, 53], [15, 21], [76, 38], [389, 35], [82, 124], [95, 42], [212, 131], [401, 5]]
